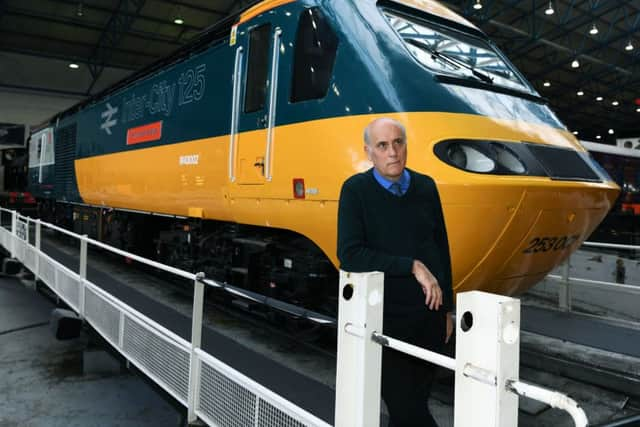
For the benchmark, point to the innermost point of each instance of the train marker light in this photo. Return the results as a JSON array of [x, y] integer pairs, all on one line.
[[298, 188]]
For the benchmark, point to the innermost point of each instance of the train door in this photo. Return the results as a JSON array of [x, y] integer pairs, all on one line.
[[253, 115]]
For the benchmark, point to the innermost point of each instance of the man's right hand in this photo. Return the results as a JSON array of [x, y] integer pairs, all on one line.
[[429, 284]]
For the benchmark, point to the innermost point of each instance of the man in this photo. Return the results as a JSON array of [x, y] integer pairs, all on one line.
[[390, 220]]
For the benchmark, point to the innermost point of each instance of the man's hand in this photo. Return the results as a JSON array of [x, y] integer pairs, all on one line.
[[429, 285], [449, 327]]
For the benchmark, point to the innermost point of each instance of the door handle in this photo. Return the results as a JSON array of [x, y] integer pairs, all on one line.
[[259, 163]]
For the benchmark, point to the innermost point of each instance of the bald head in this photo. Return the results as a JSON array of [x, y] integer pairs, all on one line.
[[383, 121], [385, 144]]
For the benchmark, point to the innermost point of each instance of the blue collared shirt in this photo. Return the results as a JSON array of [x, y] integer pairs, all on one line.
[[404, 181]]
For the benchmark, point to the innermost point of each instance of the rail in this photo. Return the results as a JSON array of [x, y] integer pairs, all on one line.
[[210, 390], [486, 364]]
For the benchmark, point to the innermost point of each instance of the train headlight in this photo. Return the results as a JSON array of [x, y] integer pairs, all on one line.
[[519, 158], [506, 158], [466, 157]]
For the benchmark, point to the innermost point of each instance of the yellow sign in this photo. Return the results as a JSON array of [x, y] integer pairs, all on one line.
[[233, 36]]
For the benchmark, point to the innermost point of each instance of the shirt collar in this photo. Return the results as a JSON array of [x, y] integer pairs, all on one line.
[[404, 181]]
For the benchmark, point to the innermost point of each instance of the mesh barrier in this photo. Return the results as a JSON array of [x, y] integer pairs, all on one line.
[[225, 402], [269, 415], [19, 248], [5, 237], [47, 271], [68, 286], [104, 317], [165, 361], [30, 258], [225, 397]]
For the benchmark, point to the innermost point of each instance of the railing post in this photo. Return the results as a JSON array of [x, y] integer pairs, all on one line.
[[359, 357], [564, 287], [38, 242], [196, 342], [82, 271], [487, 357], [14, 226]]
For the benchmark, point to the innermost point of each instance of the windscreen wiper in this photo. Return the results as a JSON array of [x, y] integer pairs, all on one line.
[[449, 59]]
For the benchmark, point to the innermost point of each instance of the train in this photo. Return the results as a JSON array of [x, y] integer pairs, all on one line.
[[228, 156]]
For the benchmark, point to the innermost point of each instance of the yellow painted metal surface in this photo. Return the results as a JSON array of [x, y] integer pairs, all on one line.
[[261, 8], [491, 220]]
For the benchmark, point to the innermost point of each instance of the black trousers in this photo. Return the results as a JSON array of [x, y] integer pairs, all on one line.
[[407, 381]]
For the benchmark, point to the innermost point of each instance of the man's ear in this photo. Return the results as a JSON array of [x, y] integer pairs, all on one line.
[[367, 152]]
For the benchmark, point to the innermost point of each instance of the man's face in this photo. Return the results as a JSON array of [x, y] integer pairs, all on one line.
[[387, 149]]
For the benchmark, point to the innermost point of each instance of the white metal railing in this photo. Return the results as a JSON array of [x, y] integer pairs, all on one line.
[[486, 364], [566, 281], [211, 390]]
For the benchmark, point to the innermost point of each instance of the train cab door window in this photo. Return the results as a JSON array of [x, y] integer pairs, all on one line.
[[314, 57], [257, 69]]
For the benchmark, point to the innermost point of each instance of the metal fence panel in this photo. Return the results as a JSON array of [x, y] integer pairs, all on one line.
[[102, 316], [30, 255], [166, 362], [68, 284]]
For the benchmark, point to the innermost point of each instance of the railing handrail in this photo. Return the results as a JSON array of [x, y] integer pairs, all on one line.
[[611, 245], [621, 287]]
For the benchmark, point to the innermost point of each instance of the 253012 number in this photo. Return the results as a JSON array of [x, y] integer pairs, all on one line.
[[546, 244]]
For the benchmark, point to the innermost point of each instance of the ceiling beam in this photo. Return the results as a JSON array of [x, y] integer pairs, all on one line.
[[117, 27], [76, 23], [63, 43]]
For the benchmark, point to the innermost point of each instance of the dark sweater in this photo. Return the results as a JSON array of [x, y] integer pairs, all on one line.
[[378, 231]]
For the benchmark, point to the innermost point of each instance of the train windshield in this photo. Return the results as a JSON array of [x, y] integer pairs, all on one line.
[[451, 52]]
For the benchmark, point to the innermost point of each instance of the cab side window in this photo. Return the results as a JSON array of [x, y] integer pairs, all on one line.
[[258, 68], [314, 57]]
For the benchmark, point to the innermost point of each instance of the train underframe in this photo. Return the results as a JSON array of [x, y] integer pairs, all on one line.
[[276, 263]]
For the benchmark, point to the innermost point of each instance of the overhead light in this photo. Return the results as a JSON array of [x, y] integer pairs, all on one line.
[[615, 103], [546, 84], [598, 137], [74, 66], [594, 30], [611, 131], [477, 5], [178, 21], [79, 10], [575, 132], [599, 98], [575, 63], [580, 93], [629, 46], [549, 10]]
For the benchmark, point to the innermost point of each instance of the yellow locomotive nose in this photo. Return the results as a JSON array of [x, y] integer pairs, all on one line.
[[519, 233]]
